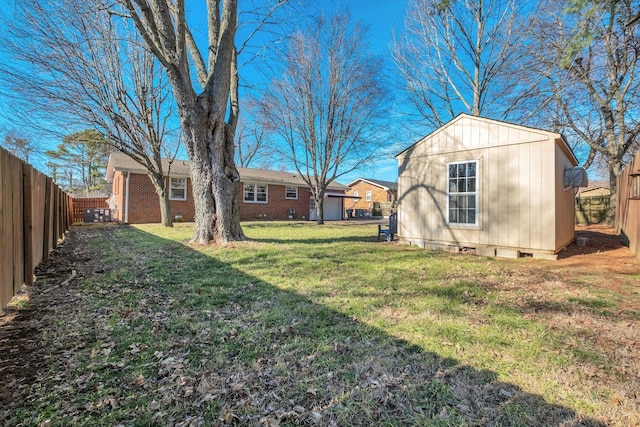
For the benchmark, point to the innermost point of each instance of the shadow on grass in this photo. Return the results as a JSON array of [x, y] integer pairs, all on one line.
[[316, 241], [304, 227], [228, 348]]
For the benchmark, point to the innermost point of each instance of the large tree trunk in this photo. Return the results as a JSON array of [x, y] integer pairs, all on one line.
[[208, 138], [160, 185], [320, 210], [165, 210], [215, 178], [615, 168]]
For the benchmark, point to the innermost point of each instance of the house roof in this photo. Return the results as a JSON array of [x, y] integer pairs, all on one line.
[[463, 116], [595, 188], [121, 162], [180, 168], [387, 185]]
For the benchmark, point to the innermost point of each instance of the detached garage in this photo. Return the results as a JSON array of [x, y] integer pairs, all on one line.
[[333, 206], [497, 187]]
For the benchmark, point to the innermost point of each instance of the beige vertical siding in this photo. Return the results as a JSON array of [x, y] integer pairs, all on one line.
[[522, 202], [547, 204], [565, 201], [628, 206]]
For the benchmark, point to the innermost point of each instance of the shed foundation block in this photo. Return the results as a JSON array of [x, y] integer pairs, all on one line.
[[507, 253], [485, 251]]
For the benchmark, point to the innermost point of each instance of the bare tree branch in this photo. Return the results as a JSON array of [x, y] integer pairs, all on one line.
[[326, 102], [459, 56], [588, 55], [87, 66]]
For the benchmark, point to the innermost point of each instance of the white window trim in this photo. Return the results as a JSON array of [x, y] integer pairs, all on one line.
[[286, 191], [171, 188], [367, 196], [634, 180], [356, 196], [255, 193], [475, 225]]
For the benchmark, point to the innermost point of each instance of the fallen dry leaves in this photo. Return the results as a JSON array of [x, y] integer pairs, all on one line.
[[62, 363]]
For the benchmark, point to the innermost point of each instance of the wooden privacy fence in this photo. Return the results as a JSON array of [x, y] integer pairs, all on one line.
[[34, 215], [82, 203], [592, 209], [628, 204]]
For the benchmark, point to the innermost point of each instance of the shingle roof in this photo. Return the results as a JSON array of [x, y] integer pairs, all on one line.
[[390, 185], [122, 162]]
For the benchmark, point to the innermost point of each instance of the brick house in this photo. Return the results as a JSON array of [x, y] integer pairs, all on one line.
[[265, 194], [371, 197]]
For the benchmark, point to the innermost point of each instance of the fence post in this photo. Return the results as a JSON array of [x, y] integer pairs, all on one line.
[[6, 272], [27, 186], [17, 224], [46, 240]]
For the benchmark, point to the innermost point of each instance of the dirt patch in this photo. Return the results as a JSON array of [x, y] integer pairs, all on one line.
[[606, 256], [22, 354]]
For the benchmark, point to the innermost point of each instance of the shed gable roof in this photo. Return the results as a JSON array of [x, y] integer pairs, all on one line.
[[465, 132], [180, 168]]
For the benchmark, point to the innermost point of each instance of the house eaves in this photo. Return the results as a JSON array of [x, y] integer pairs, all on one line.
[[180, 168]]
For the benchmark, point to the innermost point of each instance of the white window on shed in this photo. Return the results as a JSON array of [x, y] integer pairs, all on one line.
[[178, 189], [462, 193], [368, 196], [355, 196]]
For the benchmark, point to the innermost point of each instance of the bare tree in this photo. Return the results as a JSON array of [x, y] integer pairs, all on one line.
[[19, 146], [209, 115], [457, 56], [88, 67], [588, 53], [327, 102], [251, 138]]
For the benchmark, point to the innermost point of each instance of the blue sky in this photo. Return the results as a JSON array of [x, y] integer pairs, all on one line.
[[381, 16]]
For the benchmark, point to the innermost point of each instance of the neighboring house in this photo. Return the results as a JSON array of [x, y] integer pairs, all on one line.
[[264, 194], [366, 192], [595, 191], [592, 204], [628, 204], [501, 188]]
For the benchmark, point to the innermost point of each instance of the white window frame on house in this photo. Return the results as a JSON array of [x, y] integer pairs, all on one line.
[[462, 194], [635, 187], [368, 196], [255, 192], [356, 196], [291, 193], [177, 184]]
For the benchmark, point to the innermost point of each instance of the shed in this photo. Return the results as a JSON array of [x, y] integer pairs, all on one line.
[[490, 185]]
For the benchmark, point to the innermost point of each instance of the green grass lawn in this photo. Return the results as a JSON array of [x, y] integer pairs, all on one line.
[[307, 324]]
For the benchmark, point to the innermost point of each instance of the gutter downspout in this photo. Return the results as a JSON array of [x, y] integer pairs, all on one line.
[[126, 200]]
